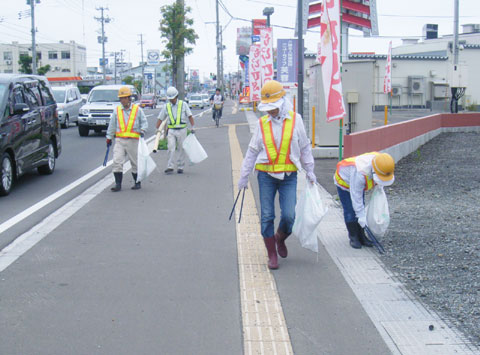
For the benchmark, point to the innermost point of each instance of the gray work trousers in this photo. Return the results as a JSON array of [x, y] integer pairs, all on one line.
[[175, 140], [125, 147]]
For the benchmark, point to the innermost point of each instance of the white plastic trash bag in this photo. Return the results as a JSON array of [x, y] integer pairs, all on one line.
[[378, 216], [194, 149], [308, 213], [145, 163]]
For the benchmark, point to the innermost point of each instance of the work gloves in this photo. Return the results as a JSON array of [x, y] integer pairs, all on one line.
[[109, 142], [192, 131], [311, 177], [362, 221], [243, 182], [142, 135]]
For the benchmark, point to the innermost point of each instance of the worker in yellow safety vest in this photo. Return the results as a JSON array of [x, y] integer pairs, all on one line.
[[176, 112], [278, 149], [353, 177], [127, 125]]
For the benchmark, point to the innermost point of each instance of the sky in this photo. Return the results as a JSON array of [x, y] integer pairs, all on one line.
[[74, 20]]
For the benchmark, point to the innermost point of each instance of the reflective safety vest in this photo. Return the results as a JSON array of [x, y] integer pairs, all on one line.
[[178, 123], [127, 131], [349, 162], [278, 159]]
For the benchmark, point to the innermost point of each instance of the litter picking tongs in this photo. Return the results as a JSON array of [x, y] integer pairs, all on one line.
[[375, 241], [241, 205], [106, 156]]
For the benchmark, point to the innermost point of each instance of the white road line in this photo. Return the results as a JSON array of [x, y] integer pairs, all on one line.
[[39, 205], [28, 239]]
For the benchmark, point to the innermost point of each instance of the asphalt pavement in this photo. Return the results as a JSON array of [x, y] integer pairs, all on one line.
[[156, 271]]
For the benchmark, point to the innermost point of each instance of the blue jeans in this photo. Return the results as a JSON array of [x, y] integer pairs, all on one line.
[[346, 200], [287, 189]]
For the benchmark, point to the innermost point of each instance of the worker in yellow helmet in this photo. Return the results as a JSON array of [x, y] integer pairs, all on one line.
[[127, 125], [278, 149], [353, 177]]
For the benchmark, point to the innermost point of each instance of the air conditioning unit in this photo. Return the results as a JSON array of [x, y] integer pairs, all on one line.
[[8, 62], [416, 85], [396, 90]]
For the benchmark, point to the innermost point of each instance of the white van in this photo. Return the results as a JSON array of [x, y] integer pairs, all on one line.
[[98, 110], [69, 101]]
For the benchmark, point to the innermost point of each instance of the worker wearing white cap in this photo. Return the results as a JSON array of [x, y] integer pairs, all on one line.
[[353, 177], [177, 112], [278, 149]]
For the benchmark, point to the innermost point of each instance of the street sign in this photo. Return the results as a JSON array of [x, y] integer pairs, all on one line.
[[101, 61], [255, 38], [153, 57]]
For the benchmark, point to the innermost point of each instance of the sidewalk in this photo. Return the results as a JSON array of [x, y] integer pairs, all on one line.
[[158, 271]]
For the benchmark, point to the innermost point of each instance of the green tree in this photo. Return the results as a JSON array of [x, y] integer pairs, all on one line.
[[25, 62], [128, 80], [175, 29]]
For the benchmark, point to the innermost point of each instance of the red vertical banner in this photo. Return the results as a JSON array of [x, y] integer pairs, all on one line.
[[255, 72], [330, 59], [266, 46], [387, 80]]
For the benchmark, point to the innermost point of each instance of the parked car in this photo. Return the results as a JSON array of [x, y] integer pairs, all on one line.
[[29, 127], [148, 100], [69, 102], [206, 99], [98, 110], [196, 101]]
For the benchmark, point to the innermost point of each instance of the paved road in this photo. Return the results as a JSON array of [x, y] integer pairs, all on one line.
[[80, 156], [155, 271]]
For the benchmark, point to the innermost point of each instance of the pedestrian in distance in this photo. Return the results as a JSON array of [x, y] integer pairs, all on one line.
[[353, 177], [177, 112], [278, 149], [127, 125]]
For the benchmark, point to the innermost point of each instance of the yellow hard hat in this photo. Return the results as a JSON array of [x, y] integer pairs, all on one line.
[[124, 92], [383, 165], [272, 91]]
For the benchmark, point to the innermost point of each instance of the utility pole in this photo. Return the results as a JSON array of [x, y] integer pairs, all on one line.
[[456, 92], [221, 59], [115, 67], [143, 63], [34, 48], [300, 57], [219, 82], [181, 59], [102, 39]]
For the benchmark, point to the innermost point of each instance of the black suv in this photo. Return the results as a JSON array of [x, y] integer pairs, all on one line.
[[29, 127]]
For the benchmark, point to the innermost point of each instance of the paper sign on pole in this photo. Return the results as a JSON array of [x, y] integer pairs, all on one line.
[[254, 72], [330, 59], [387, 81], [266, 46], [287, 67]]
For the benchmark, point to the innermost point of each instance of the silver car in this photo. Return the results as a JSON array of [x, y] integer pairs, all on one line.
[[69, 101], [196, 101]]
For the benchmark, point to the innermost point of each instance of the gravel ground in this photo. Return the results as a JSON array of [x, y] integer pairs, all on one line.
[[433, 242]]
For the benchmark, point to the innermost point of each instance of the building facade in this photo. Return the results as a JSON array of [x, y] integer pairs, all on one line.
[[66, 59]]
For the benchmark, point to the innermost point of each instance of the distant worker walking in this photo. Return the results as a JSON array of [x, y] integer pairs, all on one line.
[[177, 112], [277, 150], [127, 125], [353, 177]]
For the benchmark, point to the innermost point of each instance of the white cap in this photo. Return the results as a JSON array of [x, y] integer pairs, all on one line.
[[271, 105], [172, 93]]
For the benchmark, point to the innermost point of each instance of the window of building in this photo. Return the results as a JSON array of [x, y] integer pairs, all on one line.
[[8, 71], [39, 55], [23, 54], [65, 54], [7, 55], [52, 55], [66, 70]]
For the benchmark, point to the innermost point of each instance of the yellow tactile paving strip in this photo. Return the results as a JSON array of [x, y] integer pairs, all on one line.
[[264, 327]]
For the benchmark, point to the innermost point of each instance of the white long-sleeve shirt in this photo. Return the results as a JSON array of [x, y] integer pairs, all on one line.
[[355, 178], [300, 147], [140, 125]]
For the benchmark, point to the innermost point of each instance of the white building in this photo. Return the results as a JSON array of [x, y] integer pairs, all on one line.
[[422, 71], [65, 59]]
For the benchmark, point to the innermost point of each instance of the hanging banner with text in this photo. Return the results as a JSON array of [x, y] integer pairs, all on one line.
[[266, 46], [254, 69], [287, 66], [330, 59], [387, 80]]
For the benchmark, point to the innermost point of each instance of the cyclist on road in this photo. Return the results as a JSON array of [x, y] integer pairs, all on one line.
[[217, 99]]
